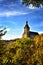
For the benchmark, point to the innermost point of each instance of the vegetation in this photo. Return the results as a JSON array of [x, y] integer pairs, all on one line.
[[2, 32], [24, 51], [35, 3]]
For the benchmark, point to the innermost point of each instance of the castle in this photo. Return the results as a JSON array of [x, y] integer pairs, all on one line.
[[27, 32]]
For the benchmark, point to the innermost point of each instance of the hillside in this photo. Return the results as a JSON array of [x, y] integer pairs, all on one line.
[[24, 51]]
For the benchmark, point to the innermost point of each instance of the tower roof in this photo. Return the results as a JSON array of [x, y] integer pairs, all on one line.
[[27, 26]]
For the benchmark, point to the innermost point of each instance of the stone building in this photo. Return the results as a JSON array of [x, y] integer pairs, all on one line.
[[27, 32]]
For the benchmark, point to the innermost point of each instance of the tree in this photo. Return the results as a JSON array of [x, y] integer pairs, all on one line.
[[2, 32], [35, 3]]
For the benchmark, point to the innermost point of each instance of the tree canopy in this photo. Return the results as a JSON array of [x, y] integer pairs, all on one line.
[[36, 3]]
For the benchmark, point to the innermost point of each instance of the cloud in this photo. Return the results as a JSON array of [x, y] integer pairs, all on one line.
[[10, 37], [12, 13], [8, 29], [14, 23], [40, 32], [12, 34]]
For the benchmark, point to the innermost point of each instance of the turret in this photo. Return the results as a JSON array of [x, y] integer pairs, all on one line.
[[26, 30], [27, 26]]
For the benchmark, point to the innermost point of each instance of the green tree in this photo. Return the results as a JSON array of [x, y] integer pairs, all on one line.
[[35, 3]]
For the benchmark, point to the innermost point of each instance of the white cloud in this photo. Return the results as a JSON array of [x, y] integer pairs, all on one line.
[[13, 22], [8, 29], [40, 32], [10, 37], [12, 13]]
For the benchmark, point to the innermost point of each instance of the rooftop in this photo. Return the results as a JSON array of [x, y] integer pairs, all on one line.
[[27, 26]]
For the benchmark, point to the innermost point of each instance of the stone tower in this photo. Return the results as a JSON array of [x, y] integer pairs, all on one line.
[[26, 30]]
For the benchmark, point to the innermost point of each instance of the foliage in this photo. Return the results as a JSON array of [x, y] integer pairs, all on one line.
[[24, 51], [2, 32], [36, 3], [2, 50]]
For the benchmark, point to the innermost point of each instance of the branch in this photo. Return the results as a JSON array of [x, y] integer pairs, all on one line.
[[2, 30]]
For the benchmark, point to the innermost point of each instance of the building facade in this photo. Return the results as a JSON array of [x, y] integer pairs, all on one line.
[[27, 32]]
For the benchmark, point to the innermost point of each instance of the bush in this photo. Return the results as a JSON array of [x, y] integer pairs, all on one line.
[[24, 51]]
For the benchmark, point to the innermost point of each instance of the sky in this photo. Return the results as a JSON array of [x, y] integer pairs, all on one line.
[[13, 16]]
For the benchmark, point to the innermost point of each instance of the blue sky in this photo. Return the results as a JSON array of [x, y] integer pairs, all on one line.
[[13, 16]]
